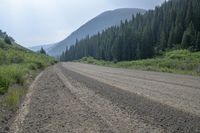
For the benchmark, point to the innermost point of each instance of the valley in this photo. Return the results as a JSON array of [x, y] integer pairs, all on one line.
[[125, 66]]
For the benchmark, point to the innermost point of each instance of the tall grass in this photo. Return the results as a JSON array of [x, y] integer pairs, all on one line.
[[13, 97], [16, 62], [177, 61], [11, 74]]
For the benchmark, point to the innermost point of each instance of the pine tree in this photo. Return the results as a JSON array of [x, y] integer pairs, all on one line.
[[42, 51], [138, 52], [198, 42], [163, 41], [178, 33], [188, 17], [171, 38], [173, 24], [186, 40], [7, 40]]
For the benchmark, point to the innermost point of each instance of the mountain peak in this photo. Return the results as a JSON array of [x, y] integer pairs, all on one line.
[[95, 25]]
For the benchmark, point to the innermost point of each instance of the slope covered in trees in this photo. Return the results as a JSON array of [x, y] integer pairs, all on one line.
[[173, 25], [92, 27]]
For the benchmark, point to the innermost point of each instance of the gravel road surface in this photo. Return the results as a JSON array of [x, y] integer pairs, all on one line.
[[81, 98]]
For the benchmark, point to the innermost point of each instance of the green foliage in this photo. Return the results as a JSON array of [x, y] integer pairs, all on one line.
[[4, 84], [7, 40], [177, 61], [91, 60], [11, 74], [188, 40], [198, 42], [16, 62], [13, 97], [173, 25], [42, 51]]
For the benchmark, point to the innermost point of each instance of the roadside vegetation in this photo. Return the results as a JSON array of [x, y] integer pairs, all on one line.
[[16, 66], [177, 61]]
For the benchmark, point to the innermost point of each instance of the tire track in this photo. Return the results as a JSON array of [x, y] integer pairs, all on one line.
[[24, 109], [119, 120], [151, 112]]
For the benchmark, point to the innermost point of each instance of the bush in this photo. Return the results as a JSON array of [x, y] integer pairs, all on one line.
[[176, 61], [178, 54], [4, 85], [32, 66], [17, 59], [7, 40], [198, 69], [13, 97]]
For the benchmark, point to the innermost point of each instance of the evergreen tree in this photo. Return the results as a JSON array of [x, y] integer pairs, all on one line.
[[171, 37], [7, 40], [188, 17], [138, 54], [174, 24], [198, 42], [186, 40], [163, 41], [42, 51]]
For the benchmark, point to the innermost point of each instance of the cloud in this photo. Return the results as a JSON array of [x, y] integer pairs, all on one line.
[[38, 22], [145, 4]]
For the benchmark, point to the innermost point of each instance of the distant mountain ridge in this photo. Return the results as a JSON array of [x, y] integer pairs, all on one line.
[[37, 48], [97, 24]]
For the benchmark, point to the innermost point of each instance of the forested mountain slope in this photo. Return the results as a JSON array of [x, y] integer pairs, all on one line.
[[97, 24], [173, 25]]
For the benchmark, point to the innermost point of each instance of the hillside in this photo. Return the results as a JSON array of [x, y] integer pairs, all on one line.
[[17, 61], [173, 25], [97, 24], [18, 68]]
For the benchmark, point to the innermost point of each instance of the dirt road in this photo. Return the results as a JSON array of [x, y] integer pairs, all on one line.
[[74, 97]]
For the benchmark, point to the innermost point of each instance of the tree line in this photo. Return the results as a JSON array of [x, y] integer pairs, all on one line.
[[173, 25], [7, 39]]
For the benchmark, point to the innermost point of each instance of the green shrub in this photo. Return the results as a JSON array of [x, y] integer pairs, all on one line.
[[4, 84], [176, 61], [32, 66], [39, 65], [13, 97], [178, 54]]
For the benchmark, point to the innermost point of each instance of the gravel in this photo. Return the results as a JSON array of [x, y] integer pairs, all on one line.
[[74, 97]]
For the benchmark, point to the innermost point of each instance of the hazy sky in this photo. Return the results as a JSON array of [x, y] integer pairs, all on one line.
[[36, 22]]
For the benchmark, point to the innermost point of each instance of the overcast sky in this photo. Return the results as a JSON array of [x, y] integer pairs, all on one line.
[[36, 22]]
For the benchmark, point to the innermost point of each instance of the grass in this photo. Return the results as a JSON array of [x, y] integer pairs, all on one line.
[[13, 97], [18, 67], [11, 74], [16, 62], [177, 61]]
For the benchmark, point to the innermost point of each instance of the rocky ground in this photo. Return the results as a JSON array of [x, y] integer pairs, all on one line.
[[74, 97]]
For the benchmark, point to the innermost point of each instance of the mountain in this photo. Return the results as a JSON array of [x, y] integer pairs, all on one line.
[[173, 25], [37, 48], [97, 24]]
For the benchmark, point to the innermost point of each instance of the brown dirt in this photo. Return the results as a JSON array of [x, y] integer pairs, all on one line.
[[74, 97]]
